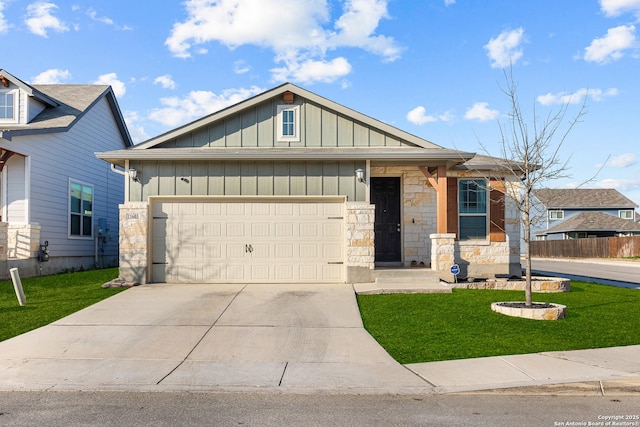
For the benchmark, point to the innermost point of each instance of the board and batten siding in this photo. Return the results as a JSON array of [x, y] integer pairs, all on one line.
[[247, 178], [57, 157], [256, 127]]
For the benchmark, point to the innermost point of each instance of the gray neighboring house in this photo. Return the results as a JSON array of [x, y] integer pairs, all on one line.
[[583, 212], [52, 188], [288, 186]]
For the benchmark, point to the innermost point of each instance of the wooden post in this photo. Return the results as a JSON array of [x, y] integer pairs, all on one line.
[[439, 183]]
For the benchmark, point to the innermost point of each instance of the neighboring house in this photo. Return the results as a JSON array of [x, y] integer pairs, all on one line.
[[288, 186], [52, 188], [582, 212]]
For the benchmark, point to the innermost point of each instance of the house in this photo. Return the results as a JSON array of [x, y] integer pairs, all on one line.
[[57, 199], [288, 186], [583, 212]]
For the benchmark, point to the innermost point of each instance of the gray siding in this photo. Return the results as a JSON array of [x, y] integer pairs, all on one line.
[[256, 127], [217, 178], [57, 157]]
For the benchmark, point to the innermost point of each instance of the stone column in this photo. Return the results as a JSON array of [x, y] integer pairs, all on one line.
[[443, 255], [133, 239], [360, 242]]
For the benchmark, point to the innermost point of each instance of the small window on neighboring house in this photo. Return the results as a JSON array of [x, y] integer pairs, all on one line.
[[80, 209], [7, 106], [626, 214], [556, 214], [472, 206], [288, 123]]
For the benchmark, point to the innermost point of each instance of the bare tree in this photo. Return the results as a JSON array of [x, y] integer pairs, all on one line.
[[532, 148]]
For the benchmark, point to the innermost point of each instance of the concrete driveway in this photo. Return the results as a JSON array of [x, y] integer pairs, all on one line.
[[303, 338]]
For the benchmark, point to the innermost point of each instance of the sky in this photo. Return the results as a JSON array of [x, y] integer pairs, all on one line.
[[437, 69]]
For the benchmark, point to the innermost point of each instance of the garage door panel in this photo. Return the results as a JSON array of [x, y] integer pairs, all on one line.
[[235, 251], [260, 272], [235, 272], [244, 241], [283, 272]]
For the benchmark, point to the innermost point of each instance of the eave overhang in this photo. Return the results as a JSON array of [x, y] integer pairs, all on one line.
[[377, 156]]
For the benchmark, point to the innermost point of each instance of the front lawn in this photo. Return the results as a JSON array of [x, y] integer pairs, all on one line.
[[416, 328], [50, 298]]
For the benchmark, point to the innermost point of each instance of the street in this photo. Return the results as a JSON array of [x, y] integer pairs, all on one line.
[[270, 409], [623, 274]]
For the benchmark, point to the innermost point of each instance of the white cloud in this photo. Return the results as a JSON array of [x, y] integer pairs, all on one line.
[[613, 8], [620, 184], [505, 49], [418, 116], [40, 19], [612, 46], [481, 111], [240, 67], [623, 160], [299, 38], [576, 97], [313, 71], [104, 19], [93, 14], [111, 79], [165, 81], [52, 76], [4, 25], [197, 104], [449, 2], [136, 130]]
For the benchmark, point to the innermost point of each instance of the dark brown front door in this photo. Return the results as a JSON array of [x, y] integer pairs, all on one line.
[[385, 194]]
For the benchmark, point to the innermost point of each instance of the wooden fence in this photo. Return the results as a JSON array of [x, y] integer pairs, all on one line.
[[598, 247]]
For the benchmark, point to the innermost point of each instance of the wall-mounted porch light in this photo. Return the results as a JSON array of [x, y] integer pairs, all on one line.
[[360, 175], [133, 174]]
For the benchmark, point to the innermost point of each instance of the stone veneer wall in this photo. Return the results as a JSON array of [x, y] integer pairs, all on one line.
[[360, 260], [481, 259], [419, 211], [23, 241], [133, 240]]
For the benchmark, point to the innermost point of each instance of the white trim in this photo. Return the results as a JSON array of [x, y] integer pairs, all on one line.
[[27, 189], [629, 211], [93, 201], [16, 105], [559, 214], [486, 214], [296, 123]]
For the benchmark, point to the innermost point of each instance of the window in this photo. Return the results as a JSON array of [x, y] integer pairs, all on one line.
[[288, 123], [80, 210], [472, 206], [556, 215], [626, 214], [7, 106]]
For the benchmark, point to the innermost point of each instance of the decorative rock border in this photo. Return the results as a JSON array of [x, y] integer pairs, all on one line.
[[538, 284], [539, 310]]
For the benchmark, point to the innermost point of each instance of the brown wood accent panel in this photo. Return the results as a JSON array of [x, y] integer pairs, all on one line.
[[496, 211]]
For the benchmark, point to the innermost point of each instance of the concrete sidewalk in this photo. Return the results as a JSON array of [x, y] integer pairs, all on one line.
[[276, 338]]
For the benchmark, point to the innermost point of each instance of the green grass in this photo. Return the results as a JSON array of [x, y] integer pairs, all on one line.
[[418, 328], [50, 298]]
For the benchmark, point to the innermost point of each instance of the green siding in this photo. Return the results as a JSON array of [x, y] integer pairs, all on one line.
[[255, 126], [217, 178], [329, 129]]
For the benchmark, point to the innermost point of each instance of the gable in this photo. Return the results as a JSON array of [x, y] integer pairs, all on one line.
[[258, 125], [254, 123]]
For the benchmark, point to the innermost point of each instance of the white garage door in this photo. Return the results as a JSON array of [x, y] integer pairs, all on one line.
[[247, 240]]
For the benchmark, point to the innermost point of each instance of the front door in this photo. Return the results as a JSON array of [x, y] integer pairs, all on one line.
[[385, 194]]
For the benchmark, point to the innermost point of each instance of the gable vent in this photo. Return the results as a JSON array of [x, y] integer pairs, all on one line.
[[287, 97]]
